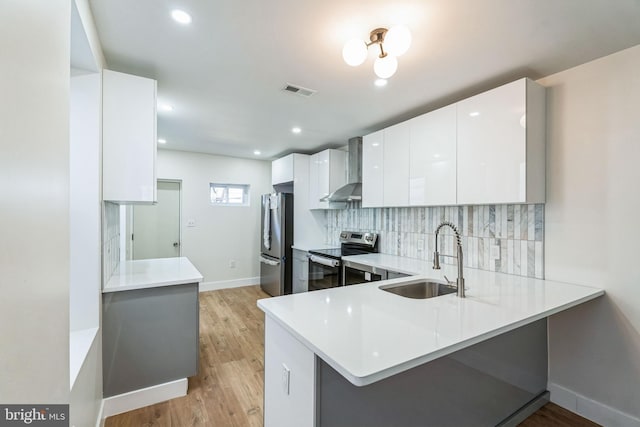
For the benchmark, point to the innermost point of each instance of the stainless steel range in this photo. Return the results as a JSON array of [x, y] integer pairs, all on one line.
[[325, 265]]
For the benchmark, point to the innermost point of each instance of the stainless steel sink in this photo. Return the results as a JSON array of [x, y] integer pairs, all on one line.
[[420, 289]]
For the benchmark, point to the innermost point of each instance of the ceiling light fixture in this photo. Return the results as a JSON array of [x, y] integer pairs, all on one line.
[[257, 152], [396, 41], [181, 16], [165, 107], [162, 141], [296, 130], [380, 82]]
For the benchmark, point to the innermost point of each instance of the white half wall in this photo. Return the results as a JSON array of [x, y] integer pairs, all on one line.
[[34, 201], [221, 233], [592, 233]]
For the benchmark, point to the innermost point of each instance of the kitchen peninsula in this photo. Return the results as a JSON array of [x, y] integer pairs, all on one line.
[[361, 356], [150, 307]]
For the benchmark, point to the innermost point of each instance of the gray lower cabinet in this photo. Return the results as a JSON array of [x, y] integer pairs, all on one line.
[[300, 273], [497, 382], [150, 337]]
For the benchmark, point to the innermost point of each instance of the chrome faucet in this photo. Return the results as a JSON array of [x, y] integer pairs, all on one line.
[[436, 257]]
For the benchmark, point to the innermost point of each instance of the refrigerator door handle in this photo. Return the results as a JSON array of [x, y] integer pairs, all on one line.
[[268, 261]]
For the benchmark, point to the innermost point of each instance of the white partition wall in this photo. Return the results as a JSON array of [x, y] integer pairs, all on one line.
[[34, 206]]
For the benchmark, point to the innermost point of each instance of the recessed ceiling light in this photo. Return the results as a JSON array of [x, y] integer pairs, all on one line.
[[257, 152], [165, 107], [162, 141], [380, 82], [296, 130], [474, 114], [181, 16]]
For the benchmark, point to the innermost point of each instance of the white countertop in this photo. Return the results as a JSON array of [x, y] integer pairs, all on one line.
[[152, 273], [307, 248], [368, 334]]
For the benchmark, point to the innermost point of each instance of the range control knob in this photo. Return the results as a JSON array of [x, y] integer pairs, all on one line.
[[368, 237]]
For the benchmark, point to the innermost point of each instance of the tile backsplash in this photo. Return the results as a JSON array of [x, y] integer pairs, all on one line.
[[503, 238], [111, 240]]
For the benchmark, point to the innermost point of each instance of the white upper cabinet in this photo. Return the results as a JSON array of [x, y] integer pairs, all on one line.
[[432, 158], [501, 145], [128, 138], [396, 165], [373, 169], [282, 170], [327, 173]]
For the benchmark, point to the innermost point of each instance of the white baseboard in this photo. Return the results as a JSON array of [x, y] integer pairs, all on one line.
[[226, 284], [144, 397], [101, 417], [591, 409]]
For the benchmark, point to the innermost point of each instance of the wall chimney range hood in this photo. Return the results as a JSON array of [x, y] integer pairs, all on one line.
[[351, 191]]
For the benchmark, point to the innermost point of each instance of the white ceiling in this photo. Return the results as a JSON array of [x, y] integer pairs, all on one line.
[[224, 73]]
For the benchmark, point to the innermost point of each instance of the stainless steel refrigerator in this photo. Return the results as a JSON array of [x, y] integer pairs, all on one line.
[[275, 243]]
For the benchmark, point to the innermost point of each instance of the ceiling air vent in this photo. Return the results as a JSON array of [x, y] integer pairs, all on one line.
[[298, 90]]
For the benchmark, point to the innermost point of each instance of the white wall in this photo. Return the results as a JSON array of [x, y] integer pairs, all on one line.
[[221, 233], [85, 202], [592, 234], [34, 201]]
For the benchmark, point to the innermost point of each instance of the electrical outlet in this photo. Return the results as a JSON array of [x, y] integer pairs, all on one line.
[[191, 223], [495, 252], [286, 376], [232, 263]]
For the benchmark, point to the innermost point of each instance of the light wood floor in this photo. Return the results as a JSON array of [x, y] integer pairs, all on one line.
[[228, 389]]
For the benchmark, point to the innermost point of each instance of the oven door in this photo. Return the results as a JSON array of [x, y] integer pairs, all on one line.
[[324, 273], [354, 273]]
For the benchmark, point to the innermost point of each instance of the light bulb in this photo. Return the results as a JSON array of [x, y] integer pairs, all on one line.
[[385, 67], [397, 40], [181, 16], [354, 52]]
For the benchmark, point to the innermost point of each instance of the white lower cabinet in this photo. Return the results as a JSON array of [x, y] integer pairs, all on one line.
[[300, 271], [432, 158], [289, 379]]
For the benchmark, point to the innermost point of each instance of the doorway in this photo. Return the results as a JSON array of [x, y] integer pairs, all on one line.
[[156, 228]]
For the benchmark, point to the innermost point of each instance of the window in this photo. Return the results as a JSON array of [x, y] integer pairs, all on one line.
[[229, 194]]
